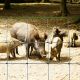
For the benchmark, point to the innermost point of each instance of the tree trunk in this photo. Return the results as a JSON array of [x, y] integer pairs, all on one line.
[[7, 4], [70, 1], [45, 1], [64, 10]]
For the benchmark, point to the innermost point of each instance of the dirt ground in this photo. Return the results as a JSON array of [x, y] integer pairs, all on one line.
[[43, 16], [22, 68]]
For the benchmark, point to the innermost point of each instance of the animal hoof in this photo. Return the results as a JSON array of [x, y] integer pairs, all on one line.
[[14, 57], [58, 60], [8, 58], [51, 58], [29, 57], [17, 53]]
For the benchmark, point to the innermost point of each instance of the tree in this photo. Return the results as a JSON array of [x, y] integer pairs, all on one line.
[[64, 10], [7, 4], [70, 1], [45, 1]]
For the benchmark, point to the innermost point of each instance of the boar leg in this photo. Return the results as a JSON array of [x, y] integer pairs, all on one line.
[[13, 53], [31, 50], [73, 43], [51, 57], [8, 55], [27, 50], [59, 56], [17, 50]]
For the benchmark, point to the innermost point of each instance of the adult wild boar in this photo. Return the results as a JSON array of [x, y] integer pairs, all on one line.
[[28, 34]]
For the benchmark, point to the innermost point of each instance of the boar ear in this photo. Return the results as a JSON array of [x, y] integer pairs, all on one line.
[[36, 36], [45, 36]]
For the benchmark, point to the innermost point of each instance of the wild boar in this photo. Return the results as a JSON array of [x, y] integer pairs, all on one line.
[[56, 48], [28, 34], [71, 39], [56, 43], [9, 46]]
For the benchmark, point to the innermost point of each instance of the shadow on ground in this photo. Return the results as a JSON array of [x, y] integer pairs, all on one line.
[[38, 58], [14, 59], [46, 60]]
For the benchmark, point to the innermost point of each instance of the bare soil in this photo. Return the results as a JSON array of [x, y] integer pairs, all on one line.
[[39, 69], [36, 69]]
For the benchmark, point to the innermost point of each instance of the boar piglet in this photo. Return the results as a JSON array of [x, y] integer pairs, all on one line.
[[57, 42], [9, 46], [56, 48], [73, 39]]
